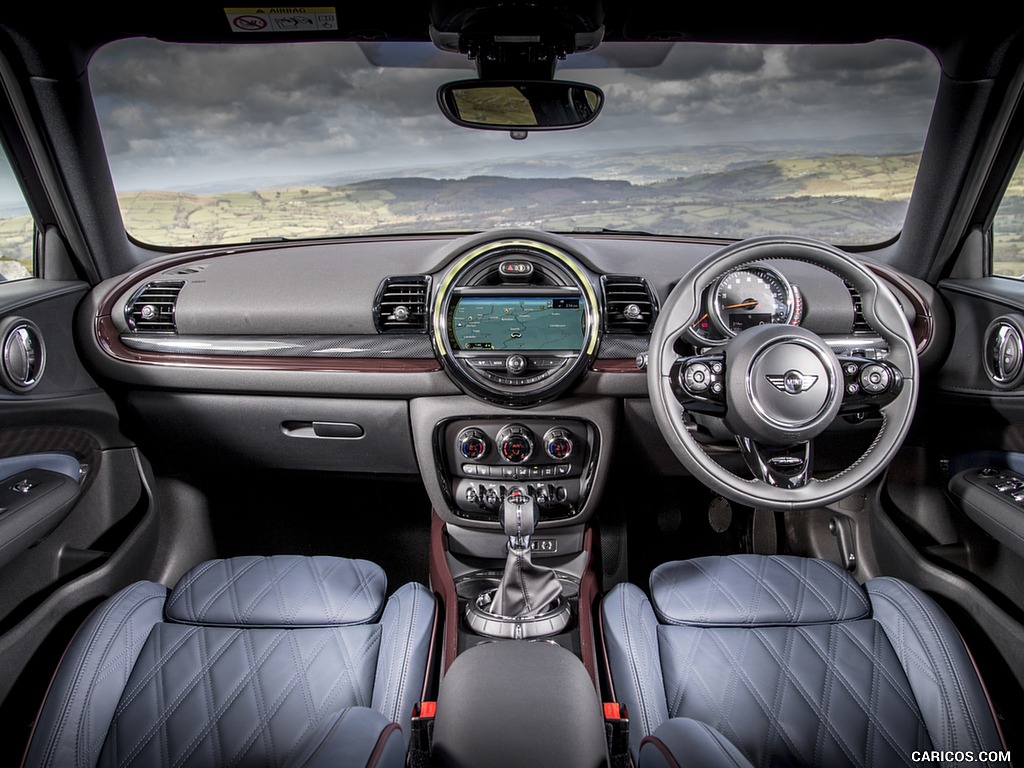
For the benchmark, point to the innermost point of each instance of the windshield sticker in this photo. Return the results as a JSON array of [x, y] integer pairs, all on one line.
[[285, 19]]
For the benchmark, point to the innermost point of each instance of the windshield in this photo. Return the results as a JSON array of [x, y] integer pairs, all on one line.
[[226, 144]]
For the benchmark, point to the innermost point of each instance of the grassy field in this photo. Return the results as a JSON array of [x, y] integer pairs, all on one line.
[[727, 191], [16, 236], [1008, 229], [843, 198]]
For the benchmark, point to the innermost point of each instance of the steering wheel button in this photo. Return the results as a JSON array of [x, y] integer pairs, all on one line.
[[875, 378], [695, 377]]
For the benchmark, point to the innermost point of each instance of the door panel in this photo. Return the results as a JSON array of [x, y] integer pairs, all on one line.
[[77, 518], [944, 527]]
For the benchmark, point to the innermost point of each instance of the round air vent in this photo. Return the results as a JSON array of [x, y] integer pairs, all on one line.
[[22, 354], [1004, 351]]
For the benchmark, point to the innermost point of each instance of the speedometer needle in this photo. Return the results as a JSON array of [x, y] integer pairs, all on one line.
[[743, 304]]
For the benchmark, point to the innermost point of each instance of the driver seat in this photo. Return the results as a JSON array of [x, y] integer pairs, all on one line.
[[756, 660]]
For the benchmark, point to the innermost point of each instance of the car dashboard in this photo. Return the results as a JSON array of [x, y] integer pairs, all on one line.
[[474, 361]]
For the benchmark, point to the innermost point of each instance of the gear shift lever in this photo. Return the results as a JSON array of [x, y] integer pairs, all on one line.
[[526, 588]]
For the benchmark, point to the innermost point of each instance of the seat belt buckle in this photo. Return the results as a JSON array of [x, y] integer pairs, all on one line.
[[423, 714], [616, 730]]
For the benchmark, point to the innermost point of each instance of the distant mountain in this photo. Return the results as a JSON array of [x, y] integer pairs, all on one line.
[[639, 165], [844, 198]]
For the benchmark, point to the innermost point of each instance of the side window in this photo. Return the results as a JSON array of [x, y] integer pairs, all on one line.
[[1008, 229], [17, 229]]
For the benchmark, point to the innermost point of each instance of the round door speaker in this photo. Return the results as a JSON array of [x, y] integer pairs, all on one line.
[[22, 354]]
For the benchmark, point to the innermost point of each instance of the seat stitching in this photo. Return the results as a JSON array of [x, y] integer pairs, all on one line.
[[254, 664], [274, 587], [960, 689], [762, 583], [169, 709], [321, 589], [674, 593], [229, 581], [804, 694], [82, 734], [716, 739], [716, 583], [210, 705], [895, 682], [741, 677], [307, 695], [184, 588], [362, 588], [411, 624], [826, 697], [634, 663], [350, 662], [848, 686], [129, 696], [688, 669], [836, 576], [774, 724]]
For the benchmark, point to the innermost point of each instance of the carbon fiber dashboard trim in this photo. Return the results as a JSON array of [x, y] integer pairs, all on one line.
[[622, 346]]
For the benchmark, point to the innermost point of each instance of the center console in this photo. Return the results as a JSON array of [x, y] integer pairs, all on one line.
[[480, 459], [513, 469], [488, 713]]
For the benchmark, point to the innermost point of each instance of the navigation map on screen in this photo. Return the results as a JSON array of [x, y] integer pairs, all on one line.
[[518, 323]]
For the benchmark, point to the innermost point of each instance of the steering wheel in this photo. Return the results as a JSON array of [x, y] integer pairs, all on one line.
[[777, 387]]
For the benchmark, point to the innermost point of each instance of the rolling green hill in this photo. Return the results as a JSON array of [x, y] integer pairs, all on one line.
[[843, 198]]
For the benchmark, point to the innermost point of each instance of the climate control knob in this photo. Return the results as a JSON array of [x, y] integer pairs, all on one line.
[[515, 443], [558, 443], [472, 443]]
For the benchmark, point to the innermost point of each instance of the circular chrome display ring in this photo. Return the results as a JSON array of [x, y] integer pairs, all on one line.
[[483, 622], [770, 277], [553, 378]]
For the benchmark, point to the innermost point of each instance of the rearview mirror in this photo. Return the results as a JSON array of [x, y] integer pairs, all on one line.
[[536, 105]]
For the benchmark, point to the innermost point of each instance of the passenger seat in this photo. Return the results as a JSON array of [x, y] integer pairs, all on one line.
[[281, 660]]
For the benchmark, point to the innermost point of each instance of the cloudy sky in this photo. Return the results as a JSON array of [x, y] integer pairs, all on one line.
[[174, 116]]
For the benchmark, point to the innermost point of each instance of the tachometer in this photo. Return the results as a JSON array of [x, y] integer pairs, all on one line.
[[757, 295]]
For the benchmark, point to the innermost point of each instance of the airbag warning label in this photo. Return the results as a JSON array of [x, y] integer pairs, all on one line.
[[282, 19]]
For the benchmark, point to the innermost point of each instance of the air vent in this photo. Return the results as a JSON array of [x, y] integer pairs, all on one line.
[[629, 304], [188, 269], [152, 308], [401, 304], [1004, 351], [860, 325]]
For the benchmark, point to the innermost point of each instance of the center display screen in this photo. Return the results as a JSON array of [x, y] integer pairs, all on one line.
[[517, 323]]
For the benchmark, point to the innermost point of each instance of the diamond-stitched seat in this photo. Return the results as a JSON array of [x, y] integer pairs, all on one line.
[[789, 661], [248, 661]]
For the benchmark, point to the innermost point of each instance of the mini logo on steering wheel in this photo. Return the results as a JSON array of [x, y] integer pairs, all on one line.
[[792, 382]]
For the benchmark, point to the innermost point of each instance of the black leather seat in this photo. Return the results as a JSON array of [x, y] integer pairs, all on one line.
[[247, 661], [789, 661]]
